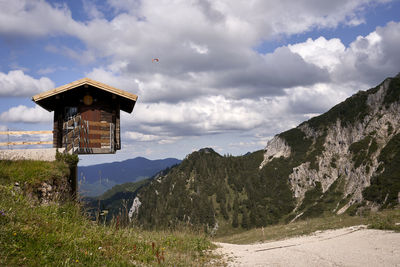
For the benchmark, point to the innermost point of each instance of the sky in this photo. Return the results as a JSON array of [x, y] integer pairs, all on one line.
[[231, 74]]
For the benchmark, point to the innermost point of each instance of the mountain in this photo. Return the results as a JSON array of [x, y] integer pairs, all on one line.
[[345, 160], [216, 192], [117, 200], [94, 180], [114, 201]]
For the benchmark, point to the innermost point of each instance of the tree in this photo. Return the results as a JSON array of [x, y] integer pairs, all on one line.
[[245, 219], [235, 219]]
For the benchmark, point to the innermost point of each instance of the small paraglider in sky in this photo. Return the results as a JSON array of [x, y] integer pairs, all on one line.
[[155, 60]]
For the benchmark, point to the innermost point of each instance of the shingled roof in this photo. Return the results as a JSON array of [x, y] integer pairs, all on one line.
[[44, 99]]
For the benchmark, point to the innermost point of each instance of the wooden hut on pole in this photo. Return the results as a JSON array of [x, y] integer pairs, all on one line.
[[87, 115]]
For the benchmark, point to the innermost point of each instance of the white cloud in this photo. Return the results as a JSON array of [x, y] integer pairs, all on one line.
[[164, 25], [140, 137], [201, 49], [321, 52], [210, 78], [367, 61], [198, 117], [16, 83], [318, 98], [373, 57], [35, 18], [205, 47], [250, 92], [25, 114]]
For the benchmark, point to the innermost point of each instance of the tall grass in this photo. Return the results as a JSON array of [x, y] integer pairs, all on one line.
[[30, 171], [60, 235]]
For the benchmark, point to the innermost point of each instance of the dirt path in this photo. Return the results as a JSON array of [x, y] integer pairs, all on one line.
[[353, 246]]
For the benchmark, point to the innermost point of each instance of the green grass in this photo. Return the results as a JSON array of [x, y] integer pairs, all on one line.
[[387, 219], [30, 171], [60, 235]]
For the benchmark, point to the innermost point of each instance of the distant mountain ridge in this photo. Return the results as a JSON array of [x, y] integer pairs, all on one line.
[[94, 180]]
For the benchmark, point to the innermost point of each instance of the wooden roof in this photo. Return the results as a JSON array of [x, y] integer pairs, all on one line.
[[40, 98]]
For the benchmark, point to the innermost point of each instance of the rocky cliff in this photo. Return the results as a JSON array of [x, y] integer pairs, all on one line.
[[347, 146]]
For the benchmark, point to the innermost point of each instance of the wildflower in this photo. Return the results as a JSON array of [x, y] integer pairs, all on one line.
[[100, 248], [76, 260], [2, 213], [14, 234]]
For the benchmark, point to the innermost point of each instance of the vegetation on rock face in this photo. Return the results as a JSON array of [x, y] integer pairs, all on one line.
[[362, 150], [393, 93], [353, 109], [316, 203], [59, 235], [385, 186]]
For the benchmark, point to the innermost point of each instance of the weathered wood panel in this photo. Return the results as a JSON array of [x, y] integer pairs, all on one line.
[[106, 115], [93, 115], [117, 130]]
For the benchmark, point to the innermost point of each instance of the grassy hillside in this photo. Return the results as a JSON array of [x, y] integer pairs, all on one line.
[[59, 235]]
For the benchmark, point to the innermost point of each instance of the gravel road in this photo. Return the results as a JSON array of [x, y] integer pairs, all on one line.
[[352, 246]]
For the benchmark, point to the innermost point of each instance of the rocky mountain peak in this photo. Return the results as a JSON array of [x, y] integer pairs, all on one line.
[[343, 146]]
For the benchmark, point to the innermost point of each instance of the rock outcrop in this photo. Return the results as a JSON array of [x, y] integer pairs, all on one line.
[[56, 190], [276, 148], [347, 142]]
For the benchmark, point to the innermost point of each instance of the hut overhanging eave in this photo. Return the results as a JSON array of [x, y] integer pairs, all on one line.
[[44, 99]]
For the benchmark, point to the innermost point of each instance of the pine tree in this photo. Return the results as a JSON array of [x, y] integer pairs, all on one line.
[[223, 211], [245, 219], [235, 219]]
